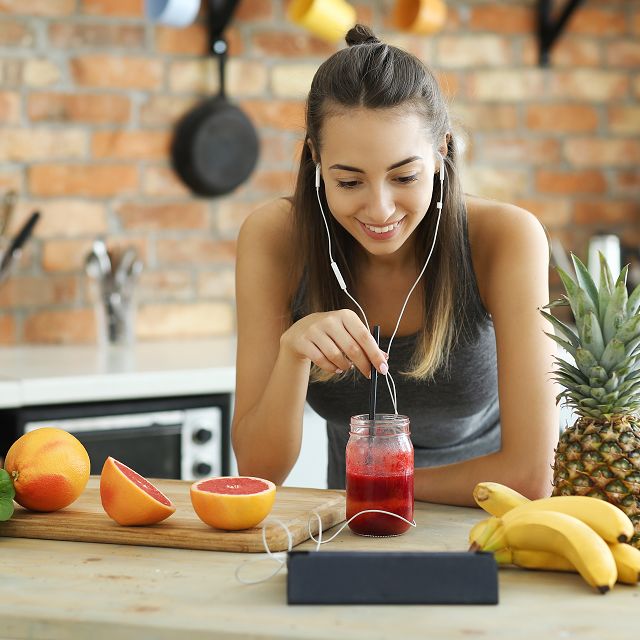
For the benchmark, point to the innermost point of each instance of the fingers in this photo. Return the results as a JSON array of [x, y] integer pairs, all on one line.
[[335, 341], [365, 349]]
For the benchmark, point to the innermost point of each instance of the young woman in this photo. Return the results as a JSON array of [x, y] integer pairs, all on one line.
[[469, 357]]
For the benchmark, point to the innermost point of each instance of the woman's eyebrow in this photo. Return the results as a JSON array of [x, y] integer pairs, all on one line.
[[395, 165]]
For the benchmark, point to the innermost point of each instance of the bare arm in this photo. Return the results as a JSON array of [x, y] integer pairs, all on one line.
[[274, 359], [514, 285]]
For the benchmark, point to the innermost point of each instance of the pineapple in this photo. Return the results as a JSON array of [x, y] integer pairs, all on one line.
[[599, 455]]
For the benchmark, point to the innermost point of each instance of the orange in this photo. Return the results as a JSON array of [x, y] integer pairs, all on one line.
[[49, 468], [234, 502], [130, 499]]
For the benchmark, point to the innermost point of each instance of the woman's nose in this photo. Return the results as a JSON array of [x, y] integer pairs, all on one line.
[[381, 205]]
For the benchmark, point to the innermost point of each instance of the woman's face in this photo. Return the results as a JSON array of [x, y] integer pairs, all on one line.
[[378, 169]]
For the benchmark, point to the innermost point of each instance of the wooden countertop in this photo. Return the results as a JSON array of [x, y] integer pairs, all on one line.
[[79, 590]]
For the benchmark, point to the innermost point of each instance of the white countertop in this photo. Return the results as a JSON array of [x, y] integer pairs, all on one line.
[[37, 375]]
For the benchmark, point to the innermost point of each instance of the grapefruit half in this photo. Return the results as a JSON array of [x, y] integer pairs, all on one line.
[[233, 502], [130, 499]]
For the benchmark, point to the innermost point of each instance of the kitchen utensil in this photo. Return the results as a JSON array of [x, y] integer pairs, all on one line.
[[123, 268], [85, 521], [6, 210], [420, 16], [100, 250], [215, 147], [175, 13], [326, 19], [15, 248]]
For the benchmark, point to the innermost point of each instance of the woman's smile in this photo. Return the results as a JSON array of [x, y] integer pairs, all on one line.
[[381, 232]]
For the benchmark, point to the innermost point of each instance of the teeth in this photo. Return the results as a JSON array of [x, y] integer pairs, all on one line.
[[382, 229]]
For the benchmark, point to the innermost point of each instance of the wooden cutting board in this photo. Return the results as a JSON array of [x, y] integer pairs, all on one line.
[[86, 521]]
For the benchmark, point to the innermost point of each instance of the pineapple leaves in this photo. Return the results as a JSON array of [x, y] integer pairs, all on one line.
[[585, 280], [613, 355], [615, 313], [572, 290], [591, 335], [629, 330], [566, 330], [633, 304], [606, 287], [567, 346], [585, 360]]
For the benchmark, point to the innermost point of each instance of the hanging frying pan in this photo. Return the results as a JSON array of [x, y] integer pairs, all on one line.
[[215, 147]]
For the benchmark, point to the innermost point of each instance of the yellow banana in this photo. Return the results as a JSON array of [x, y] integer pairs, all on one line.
[[477, 529], [607, 520], [529, 559], [628, 562], [496, 498], [481, 534], [563, 535]]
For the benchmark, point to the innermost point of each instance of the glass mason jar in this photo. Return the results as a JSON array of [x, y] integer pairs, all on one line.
[[379, 465]]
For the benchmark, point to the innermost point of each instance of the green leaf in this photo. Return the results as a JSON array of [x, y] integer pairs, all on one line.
[[606, 279], [597, 376], [597, 392], [622, 278], [563, 343], [613, 355], [570, 370], [633, 304], [559, 302], [584, 305], [629, 329], [615, 313], [591, 335], [566, 330], [7, 494], [612, 383], [585, 360], [585, 280], [571, 288]]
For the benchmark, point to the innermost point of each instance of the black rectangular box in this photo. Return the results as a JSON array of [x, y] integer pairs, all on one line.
[[363, 577]]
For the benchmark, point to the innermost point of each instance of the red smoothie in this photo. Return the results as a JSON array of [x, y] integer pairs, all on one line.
[[387, 492]]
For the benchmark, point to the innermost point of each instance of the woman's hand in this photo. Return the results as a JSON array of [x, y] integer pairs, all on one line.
[[333, 341]]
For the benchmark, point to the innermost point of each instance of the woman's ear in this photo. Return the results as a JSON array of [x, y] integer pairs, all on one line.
[[443, 149], [314, 156]]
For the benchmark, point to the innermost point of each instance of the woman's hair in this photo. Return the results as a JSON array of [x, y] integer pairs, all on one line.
[[373, 75]]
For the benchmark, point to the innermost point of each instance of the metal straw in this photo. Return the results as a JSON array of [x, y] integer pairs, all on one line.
[[373, 387]]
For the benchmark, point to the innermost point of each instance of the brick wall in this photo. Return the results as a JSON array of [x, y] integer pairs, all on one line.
[[89, 92]]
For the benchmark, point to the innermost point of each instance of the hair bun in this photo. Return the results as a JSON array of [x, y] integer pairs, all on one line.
[[361, 35]]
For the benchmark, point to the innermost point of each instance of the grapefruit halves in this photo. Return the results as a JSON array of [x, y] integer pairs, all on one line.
[[233, 502], [130, 499]]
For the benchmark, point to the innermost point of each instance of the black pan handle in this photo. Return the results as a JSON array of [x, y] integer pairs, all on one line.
[[219, 14]]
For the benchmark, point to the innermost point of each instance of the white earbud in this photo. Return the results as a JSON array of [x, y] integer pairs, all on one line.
[[439, 205], [317, 175]]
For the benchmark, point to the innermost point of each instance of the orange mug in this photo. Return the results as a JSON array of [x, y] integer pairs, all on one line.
[[327, 19], [420, 16]]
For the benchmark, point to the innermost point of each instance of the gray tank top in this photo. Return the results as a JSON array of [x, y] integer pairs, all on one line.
[[453, 417]]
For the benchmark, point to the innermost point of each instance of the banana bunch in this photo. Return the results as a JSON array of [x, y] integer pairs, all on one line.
[[562, 533]]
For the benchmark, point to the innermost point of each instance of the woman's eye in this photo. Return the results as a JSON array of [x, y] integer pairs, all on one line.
[[350, 184], [407, 179]]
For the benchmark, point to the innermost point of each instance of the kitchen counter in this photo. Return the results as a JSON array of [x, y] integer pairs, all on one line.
[[43, 375], [68, 590]]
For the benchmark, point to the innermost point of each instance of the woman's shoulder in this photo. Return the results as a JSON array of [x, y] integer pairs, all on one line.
[[502, 235], [499, 227], [268, 229]]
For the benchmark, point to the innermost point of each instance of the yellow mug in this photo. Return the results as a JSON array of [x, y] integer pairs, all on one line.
[[327, 19], [420, 16]]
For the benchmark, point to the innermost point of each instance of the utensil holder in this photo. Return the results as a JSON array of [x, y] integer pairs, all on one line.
[[115, 319]]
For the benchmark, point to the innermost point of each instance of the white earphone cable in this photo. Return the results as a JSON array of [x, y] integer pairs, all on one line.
[[390, 382]]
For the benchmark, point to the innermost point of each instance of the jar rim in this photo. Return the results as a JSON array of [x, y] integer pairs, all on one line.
[[385, 424]]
